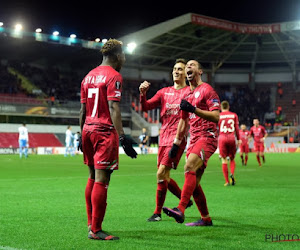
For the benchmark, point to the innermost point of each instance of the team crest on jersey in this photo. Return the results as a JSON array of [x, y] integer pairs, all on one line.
[[197, 94], [118, 85]]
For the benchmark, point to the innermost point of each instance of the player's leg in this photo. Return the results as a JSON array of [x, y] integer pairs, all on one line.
[[26, 150], [20, 148], [232, 152], [256, 149], [193, 163], [200, 201], [262, 155], [242, 154], [163, 175], [88, 195], [99, 198], [225, 170], [246, 153]]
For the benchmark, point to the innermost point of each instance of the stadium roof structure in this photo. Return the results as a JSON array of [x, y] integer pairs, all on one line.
[[216, 44]]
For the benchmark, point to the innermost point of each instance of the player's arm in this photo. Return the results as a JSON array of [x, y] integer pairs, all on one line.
[[152, 103], [212, 116], [82, 115], [115, 115], [181, 132]]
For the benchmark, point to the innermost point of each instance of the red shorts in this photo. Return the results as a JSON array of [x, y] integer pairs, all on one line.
[[204, 147], [259, 147], [244, 148], [227, 148], [100, 147], [163, 158]]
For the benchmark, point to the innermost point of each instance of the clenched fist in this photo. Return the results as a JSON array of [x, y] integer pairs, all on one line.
[[144, 87]]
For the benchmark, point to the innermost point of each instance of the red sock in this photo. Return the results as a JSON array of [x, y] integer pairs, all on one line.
[[242, 157], [246, 159], [99, 196], [174, 188], [88, 199], [189, 186], [232, 167], [258, 159], [225, 172], [161, 192], [200, 201], [263, 157]]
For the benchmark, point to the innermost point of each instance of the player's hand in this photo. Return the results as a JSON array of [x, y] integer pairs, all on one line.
[[173, 152], [186, 106], [127, 146], [79, 144], [144, 87], [239, 142]]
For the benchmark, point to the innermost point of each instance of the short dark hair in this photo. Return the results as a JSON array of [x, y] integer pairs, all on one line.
[[180, 60], [225, 105], [112, 47]]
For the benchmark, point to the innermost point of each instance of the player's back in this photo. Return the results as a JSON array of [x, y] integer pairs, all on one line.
[[98, 87], [228, 125]]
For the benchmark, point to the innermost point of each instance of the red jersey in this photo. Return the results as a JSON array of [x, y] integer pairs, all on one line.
[[257, 133], [228, 125], [100, 85], [168, 99], [244, 136], [205, 98]]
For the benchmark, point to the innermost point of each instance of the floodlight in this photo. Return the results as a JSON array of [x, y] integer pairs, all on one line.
[[73, 36], [131, 47], [55, 33], [97, 40], [38, 30], [104, 40], [18, 27], [1, 24]]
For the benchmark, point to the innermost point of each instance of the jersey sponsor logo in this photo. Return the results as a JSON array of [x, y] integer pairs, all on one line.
[[169, 93], [172, 105], [94, 79], [197, 94]]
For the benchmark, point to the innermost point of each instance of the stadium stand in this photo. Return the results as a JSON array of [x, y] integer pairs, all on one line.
[[10, 140]]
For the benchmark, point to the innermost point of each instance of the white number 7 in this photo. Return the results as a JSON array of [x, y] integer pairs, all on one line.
[[90, 95]]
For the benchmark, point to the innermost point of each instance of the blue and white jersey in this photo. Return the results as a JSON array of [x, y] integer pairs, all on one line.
[[69, 137], [23, 133]]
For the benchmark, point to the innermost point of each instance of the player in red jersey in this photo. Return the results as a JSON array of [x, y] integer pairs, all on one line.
[[169, 100], [229, 131], [244, 146], [201, 110], [101, 129], [259, 134]]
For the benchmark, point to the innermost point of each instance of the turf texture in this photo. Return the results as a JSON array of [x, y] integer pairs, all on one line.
[[42, 205]]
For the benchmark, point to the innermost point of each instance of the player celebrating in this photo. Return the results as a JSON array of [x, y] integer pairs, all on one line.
[[244, 146], [259, 135], [169, 100], [23, 140], [229, 130], [101, 129], [201, 110]]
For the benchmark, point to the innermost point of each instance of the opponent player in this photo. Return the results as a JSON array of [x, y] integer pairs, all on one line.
[[169, 100], [229, 132], [201, 109], [244, 146], [23, 141], [101, 129], [259, 135], [68, 141], [144, 141]]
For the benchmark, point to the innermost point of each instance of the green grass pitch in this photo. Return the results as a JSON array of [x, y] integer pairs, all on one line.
[[42, 205]]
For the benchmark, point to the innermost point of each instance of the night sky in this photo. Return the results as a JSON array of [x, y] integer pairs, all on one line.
[[106, 19]]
